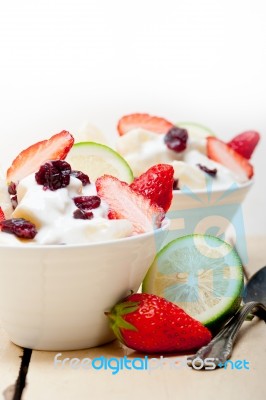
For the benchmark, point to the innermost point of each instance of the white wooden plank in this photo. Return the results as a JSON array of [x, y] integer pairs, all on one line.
[[46, 382], [9, 363]]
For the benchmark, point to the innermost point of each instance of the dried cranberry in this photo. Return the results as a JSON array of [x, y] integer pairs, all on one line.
[[82, 177], [87, 202], [209, 171], [112, 215], [19, 227], [82, 214], [14, 202], [176, 139], [175, 185], [54, 175], [12, 189]]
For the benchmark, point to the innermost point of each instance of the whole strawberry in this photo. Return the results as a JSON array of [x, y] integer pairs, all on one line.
[[156, 184], [151, 324]]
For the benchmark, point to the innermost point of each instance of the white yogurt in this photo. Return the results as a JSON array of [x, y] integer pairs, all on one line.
[[142, 149], [52, 213]]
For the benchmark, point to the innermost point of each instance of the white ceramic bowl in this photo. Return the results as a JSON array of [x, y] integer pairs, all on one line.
[[54, 297], [216, 211]]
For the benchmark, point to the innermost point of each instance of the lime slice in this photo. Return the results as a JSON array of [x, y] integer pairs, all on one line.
[[95, 159], [196, 131], [201, 274]]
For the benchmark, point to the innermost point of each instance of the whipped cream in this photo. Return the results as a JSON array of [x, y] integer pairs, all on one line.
[[142, 149], [52, 213]]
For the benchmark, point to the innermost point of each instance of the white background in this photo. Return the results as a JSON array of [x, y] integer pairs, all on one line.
[[65, 62]]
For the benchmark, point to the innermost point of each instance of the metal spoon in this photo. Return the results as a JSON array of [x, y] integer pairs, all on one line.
[[221, 346]]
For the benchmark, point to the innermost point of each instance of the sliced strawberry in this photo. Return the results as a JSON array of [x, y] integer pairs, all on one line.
[[219, 151], [30, 159], [2, 215], [156, 184], [124, 203], [145, 121], [245, 143]]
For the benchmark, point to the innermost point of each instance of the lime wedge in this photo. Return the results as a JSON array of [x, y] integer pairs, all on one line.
[[196, 131], [201, 274], [95, 159]]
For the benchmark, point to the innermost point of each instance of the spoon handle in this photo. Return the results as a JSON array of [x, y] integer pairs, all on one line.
[[220, 347]]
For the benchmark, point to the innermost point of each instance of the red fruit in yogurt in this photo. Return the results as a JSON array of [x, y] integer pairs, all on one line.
[[222, 153], [19, 227], [156, 184], [125, 203], [145, 121], [30, 159], [2, 215], [245, 143]]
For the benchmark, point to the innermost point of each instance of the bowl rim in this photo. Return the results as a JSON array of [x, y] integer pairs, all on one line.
[[239, 186], [26, 246]]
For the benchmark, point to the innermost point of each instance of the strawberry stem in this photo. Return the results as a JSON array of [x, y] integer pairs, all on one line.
[[117, 321]]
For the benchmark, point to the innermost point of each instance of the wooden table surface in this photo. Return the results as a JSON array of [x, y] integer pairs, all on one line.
[[45, 382]]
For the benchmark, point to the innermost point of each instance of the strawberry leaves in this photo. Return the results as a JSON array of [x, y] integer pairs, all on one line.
[[117, 322]]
